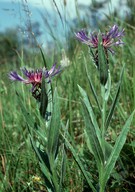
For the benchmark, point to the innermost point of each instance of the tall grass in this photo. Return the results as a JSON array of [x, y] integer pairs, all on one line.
[[75, 165]]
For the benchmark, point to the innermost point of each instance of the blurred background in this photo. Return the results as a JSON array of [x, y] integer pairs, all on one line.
[[51, 24], [51, 21]]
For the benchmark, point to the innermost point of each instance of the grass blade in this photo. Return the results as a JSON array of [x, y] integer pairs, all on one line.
[[27, 116], [58, 12], [77, 159], [64, 157], [43, 57]]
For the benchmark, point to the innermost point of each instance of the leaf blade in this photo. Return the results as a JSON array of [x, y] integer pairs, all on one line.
[[54, 127], [117, 148], [115, 100]]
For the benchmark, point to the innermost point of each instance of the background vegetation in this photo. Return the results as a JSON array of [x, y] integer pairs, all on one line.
[[19, 169]]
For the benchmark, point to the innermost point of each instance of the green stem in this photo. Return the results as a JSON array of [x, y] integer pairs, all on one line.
[[101, 179], [103, 116], [102, 189], [54, 176], [103, 110], [55, 181]]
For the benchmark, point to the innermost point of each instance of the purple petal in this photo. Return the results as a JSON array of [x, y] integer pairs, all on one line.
[[26, 72], [15, 77], [51, 71], [119, 42], [112, 32], [81, 36]]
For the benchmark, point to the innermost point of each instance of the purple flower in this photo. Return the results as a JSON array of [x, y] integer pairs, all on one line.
[[35, 77], [109, 39]]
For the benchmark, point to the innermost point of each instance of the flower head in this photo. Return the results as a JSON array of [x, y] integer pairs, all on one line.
[[35, 77], [109, 39]]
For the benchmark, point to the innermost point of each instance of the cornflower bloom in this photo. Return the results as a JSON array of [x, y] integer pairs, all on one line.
[[109, 39], [102, 42], [35, 78]]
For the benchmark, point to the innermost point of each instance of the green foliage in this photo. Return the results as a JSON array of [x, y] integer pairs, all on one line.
[[55, 148], [9, 44], [116, 150], [92, 129]]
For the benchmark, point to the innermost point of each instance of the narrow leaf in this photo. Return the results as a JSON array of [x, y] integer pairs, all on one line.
[[117, 149], [92, 136], [63, 168], [114, 103], [54, 127], [91, 112], [42, 160], [92, 87], [64, 156], [49, 185]]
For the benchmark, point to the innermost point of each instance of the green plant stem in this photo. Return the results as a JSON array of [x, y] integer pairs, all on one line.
[[55, 181], [102, 189], [101, 178], [103, 115], [54, 174]]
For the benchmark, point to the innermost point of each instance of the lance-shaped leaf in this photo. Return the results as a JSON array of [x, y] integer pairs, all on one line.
[[43, 158], [91, 112], [92, 136], [102, 61], [42, 155], [92, 129], [44, 165], [54, 127], [114, 103], [116, 151], [91, 86]]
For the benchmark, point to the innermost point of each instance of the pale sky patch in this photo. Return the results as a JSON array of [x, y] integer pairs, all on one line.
[[70, 8], [13, 12]]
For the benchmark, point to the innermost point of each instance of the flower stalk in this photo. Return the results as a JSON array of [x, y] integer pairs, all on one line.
[[45, 144], [105, 155]]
